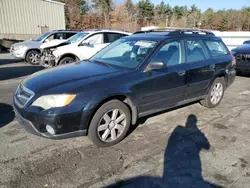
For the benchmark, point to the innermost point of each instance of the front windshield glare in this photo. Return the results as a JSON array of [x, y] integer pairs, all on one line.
[[126, 53], [40, 38], [77, 37]]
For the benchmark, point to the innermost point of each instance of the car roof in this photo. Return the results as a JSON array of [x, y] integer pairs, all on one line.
[[105, 30], [67, 31], [162, 35]]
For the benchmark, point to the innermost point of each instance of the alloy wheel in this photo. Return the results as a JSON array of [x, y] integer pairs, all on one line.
[[216, 93], [112, 125], [34, 58]]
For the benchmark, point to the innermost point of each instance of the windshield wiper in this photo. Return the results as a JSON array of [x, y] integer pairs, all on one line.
[[102, 63]]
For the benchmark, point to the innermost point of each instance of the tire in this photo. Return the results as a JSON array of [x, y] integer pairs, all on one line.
[[97, 132], [33, 57], [211, 102], [66, 60]]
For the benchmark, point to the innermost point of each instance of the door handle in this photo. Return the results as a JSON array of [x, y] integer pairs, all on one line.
[[181, 73]]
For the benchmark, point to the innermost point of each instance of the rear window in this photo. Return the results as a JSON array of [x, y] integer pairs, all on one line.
[[216, 48]]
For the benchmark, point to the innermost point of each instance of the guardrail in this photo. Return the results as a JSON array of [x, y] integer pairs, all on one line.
[[231, 38]]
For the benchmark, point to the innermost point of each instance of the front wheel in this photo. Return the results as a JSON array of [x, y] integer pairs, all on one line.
[[33, 57], [66, 60], [110, 124], [215, 93]]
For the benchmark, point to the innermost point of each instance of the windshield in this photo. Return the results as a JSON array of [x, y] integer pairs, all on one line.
[[40, 38], [77, 37], [125, 53]]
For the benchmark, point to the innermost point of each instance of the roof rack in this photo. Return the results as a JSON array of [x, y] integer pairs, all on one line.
[[178, 31]]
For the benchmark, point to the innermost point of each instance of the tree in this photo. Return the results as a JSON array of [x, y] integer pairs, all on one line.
[[193, 16], [130, 7], [207, 18], [82, 6], [105, 7], [145, 11], [72, 14]]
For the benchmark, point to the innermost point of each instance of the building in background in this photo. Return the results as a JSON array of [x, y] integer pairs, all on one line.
[[26, 19]]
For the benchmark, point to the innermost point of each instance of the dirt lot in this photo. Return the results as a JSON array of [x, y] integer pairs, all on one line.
[[186, 147]]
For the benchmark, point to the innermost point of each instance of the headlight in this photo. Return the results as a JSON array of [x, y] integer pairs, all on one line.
[[53, 101], [19, 47]]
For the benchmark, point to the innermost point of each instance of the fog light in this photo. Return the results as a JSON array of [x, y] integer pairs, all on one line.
[[50, 129]]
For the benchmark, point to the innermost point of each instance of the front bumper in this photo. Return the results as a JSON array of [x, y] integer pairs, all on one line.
[[243, 67], [47, 61], [243, 62], [19, 54], [66, 125]]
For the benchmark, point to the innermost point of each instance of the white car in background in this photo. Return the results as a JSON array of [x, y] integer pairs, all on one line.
[[81, 46]]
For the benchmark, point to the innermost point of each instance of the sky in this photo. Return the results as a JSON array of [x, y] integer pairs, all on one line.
[[204, 4]]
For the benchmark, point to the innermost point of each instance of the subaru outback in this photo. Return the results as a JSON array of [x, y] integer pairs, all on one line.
[[135, 76]]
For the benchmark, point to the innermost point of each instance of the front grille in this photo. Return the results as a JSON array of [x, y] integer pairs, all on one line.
[[243, 58], [23, 95]]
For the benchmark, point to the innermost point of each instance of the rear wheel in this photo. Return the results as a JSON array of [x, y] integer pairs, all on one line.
[[66, 60], [215, 93], [33, 57], [110, 124]]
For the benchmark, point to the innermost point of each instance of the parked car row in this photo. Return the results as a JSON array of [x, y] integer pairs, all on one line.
[[62, 46], [133, 77], [30, 50]]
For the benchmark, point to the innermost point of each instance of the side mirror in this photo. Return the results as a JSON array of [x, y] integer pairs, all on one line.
[[155, 66], [84, 44], [46, 40]]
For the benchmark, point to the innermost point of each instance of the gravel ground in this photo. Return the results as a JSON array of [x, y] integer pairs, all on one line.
[[190, 146]]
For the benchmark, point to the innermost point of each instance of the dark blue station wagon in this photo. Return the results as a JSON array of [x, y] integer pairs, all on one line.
[[133, 77]]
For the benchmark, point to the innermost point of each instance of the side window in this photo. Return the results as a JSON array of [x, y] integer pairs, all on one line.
[[111, 37], [95, 39], [171, 54], [67, 35], [52, 37], [216, 48], [195, 51], [59, 36]]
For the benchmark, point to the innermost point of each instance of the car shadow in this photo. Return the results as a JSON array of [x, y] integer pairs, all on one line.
[[15, 72], [182, 163], [6, 114], [9, 61], [142, 120]]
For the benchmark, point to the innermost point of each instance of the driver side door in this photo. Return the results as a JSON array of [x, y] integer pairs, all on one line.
[[164, 88]]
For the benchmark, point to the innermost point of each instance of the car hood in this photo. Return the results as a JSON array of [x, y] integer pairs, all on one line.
[[245, 48], [28, 43], [53, 43], [66, 74]]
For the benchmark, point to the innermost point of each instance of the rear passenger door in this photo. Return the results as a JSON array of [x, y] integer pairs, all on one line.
[[201, 68]]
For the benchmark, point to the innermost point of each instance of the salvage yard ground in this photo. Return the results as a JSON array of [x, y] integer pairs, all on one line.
[[162, 149]]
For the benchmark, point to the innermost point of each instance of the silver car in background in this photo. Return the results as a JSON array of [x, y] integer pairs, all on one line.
[[30, 50]]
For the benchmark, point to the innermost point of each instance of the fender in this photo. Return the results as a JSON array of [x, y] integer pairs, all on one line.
[[106, 95], [68, 55], [28, 50], [220, 73]]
